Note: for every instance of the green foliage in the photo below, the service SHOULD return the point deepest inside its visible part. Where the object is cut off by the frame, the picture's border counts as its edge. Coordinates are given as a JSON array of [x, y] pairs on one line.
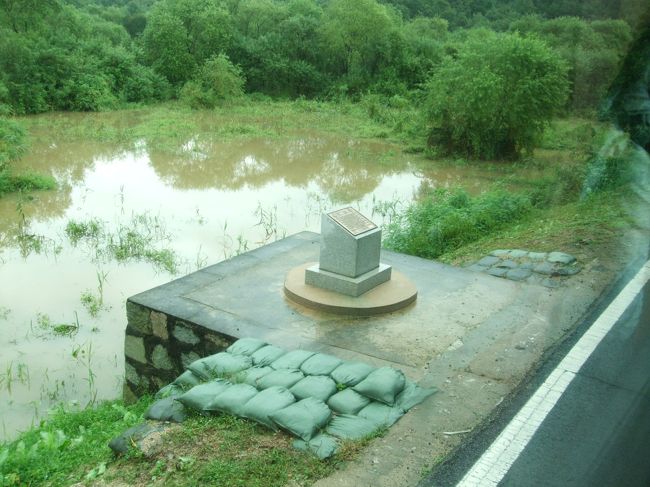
[[592, 50], [218, 80], [139, 239], [360, 40], [12, 142], [59, 450], [495, 96], [10, 183], [182, 35], [446, 220]]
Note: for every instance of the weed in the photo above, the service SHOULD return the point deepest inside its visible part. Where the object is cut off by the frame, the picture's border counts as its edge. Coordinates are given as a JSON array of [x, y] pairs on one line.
[[446, 220], [268, 220], [48, 328], [92, 303], [62, 449], [4, 312], [136, 240]]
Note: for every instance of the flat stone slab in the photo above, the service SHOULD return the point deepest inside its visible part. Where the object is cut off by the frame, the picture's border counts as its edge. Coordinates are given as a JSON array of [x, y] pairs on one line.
[[542, 268]]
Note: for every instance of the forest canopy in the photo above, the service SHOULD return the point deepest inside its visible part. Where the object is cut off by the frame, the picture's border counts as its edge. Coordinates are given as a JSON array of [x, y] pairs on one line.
[[87, 55]]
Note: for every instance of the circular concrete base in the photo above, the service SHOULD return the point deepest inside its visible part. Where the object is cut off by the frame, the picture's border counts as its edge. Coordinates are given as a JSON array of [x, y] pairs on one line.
[[392, 295]]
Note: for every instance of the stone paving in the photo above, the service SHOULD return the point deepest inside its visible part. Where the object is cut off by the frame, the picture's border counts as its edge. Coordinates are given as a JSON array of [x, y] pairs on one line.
[[546, 268]]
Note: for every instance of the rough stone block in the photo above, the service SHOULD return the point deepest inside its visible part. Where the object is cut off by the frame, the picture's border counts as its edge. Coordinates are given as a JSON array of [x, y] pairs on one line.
[[345, 253], [349, 286], [497, 271], [561, 258], [160, 358], [507, 264], [488, 261], [502, 253], [188, 358], [537, 255], [138, 318], [185, 335], [131, 374], [134, 348], [518, 254], [128, 396], [159, 325], [545, 268], [518, 274]]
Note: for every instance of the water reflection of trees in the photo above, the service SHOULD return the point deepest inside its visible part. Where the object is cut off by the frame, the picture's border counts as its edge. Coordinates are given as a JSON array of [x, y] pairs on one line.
[[344, 169]]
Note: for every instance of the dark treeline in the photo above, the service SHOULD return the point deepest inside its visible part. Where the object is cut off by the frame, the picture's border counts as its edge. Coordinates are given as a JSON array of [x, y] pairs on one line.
[[91, 55]]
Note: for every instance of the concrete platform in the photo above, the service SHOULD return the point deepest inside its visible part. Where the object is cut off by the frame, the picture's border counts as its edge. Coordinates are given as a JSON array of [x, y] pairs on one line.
[[244, 297], [472, 335]]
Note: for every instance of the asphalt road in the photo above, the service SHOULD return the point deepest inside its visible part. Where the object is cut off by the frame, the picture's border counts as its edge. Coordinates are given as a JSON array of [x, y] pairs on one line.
[[598, 433]]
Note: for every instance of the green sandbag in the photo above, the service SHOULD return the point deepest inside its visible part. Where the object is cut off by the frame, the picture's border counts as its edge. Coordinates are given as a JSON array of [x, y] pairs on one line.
[[187, 380], [351, 373], [349, 427], [170, 390], [347, 402], [252, 375], [220, 365], [233, 399], [167, 409], [245, 346], [266, 355], [292, 360], [303, 418], [382, 385], [320, 364], [267, 402], [323, 446], [317, 386], [280, 378], [199, 397], [382, 415], [412, 394]]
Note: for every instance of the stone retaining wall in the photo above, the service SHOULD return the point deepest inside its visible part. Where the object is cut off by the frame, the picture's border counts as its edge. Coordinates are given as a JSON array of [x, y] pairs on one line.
[[158, 347]]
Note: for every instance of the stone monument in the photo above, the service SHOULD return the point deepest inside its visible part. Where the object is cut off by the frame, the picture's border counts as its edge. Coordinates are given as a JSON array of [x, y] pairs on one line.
[[349, 254], [349, 277]]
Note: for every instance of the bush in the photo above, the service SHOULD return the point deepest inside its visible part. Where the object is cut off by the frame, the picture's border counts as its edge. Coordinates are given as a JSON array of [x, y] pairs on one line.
[[12, 142], [445, 220], [218, 80], [495, 96]]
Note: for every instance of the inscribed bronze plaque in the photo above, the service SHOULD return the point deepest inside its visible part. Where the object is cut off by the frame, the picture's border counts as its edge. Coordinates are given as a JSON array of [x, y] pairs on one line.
[[353, 221]]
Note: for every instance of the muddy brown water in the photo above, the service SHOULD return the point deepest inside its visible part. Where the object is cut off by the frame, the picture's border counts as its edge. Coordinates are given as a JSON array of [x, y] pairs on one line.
[[212, 199]]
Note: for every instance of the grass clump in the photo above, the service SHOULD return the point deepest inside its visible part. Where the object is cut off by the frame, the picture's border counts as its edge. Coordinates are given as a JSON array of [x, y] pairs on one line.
[[222, 450], [139, 239], [61, 449], [445, 220], [13, 144]]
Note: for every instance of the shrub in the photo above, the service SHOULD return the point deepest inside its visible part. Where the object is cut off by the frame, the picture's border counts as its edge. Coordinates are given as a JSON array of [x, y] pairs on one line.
[[445, 220], [218, 80], [495, 96], [12, 142]]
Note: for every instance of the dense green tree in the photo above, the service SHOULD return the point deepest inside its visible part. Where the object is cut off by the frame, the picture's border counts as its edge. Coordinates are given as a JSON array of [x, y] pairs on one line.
[[217, 81], [182, 34], [593, 51], [360, 40], [493, 99]]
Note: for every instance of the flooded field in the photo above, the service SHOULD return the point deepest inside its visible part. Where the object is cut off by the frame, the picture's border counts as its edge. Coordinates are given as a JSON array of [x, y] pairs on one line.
[[130, 216]]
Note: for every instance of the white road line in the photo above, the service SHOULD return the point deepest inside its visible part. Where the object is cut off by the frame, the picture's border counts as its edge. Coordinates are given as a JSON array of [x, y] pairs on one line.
[[495, 462]]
